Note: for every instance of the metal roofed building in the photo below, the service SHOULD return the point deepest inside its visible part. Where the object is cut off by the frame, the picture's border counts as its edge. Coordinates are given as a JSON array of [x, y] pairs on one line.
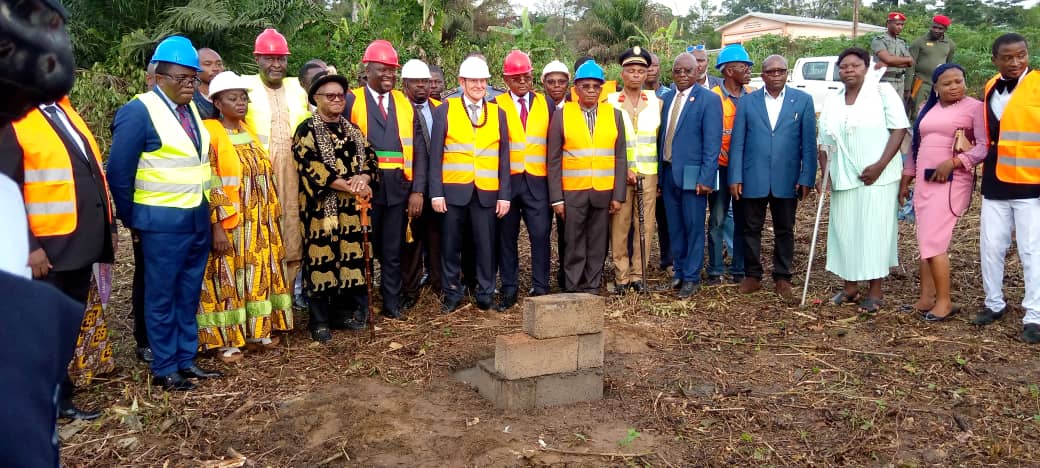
[[756, 24]]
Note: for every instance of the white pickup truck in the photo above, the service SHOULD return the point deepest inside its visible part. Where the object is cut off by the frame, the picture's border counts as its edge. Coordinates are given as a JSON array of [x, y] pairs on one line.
[[817, 76]]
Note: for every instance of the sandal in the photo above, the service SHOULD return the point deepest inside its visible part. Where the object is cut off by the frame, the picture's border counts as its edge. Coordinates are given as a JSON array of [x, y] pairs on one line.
[[264, 344], [871, 306], [929, 317], [230, 355], [843, 298]]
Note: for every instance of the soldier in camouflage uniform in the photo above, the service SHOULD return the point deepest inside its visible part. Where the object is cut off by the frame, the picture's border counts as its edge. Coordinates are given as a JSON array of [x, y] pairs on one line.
[[928, 51], [891, 51]]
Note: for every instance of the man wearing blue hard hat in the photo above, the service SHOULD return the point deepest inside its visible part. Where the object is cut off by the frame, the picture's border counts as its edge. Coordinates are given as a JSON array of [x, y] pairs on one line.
[[160, 176], [587, 159]]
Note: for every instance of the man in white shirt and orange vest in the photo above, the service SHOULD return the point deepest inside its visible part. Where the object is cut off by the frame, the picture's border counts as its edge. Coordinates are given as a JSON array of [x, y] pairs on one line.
[[527, 115], [587, 166], [469, 181]]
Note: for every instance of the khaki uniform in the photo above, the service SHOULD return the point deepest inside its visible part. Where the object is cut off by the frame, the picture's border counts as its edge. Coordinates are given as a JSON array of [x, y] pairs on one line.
[[895, 46], [928, 54]]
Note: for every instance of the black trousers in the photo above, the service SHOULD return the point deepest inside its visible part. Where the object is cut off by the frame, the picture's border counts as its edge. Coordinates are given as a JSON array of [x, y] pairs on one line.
[[389, 223], [587, 233], [537, 216], [412, 259], [337, 307], [430, 230], [471, 225], [76, 285], [662, 233], [751, 217], [137, 296], [561, 247]]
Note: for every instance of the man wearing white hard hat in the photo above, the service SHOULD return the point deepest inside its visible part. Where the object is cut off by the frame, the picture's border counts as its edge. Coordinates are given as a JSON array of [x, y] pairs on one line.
[[469, 180], [555, 79], [490, 93]]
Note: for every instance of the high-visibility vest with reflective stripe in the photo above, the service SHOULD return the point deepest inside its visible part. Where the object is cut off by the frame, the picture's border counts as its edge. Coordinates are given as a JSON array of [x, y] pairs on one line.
[[641, 142], [729, 114], [471, 152], [258, 117], [176, 175], [228, 165], [588, 160], [50, 189], [526, 147], [405, 128], [1018, 149]]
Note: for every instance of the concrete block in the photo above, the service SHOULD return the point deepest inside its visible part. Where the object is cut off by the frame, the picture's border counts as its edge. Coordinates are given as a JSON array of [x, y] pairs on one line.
[[590, 350], [565, 314], [519, 356], [534, 392], [573, 387]]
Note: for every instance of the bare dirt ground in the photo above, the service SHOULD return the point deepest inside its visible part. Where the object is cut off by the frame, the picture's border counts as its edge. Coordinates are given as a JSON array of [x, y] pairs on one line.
[[721, 379]]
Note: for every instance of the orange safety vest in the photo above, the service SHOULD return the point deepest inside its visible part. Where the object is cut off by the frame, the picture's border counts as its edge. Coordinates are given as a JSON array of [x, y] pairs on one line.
[[526, 147], [229, 167], [1018, 147], [405, 120], [49, 189], [729, 114], [588, 159], [471, 152]]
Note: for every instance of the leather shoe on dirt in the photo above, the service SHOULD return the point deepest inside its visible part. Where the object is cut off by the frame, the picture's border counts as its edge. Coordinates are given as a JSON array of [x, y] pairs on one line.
[[506, 302], [173, 383], [688, 289], [987, 316], [70, 411], [145, 355], [321, 335], [449, 305], [196, 372], [750, 285], [1031, 333], [392, 314], [713, 281]]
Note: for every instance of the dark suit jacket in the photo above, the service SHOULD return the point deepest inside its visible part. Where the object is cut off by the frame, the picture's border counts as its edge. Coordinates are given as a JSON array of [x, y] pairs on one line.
[[537, 186], [698, 135], [597, 198], [421, 157], [384, 135], [772, 161], [460, 194], [91, 242]]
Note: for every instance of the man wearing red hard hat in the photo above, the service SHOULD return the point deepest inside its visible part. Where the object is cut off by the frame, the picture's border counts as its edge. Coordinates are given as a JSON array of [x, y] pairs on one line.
[[277, 104], [928, 51], [387, 119]]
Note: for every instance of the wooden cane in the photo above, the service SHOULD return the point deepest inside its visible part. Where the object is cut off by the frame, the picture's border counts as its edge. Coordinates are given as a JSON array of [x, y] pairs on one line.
[[363, 205]]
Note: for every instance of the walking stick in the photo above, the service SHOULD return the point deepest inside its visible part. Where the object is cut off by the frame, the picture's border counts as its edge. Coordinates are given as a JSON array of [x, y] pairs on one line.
[[640, 210], [819, 211], [364, 204]]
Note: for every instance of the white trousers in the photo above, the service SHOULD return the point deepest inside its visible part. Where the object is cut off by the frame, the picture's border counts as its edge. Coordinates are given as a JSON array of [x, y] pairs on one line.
[[999, 219]]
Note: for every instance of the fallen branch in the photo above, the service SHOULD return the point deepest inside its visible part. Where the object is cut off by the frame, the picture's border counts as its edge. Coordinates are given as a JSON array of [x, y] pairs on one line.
[[597, 454], [872, 353]]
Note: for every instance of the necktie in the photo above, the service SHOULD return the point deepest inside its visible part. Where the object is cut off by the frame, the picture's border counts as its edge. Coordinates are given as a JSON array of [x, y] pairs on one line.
[[474, 113], [673, 117], [523, 111], [185, 117], [424, 122], [381, 108], [52, 112], [1005, 85]]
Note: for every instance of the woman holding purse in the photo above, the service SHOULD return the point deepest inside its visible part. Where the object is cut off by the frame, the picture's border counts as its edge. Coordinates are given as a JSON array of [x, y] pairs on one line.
[[949, 140]]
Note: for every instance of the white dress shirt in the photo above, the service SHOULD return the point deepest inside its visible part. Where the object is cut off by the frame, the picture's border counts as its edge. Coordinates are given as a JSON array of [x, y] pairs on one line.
[[14, 233], [386, 98], [680, 100], [64, 121], [773, 106], [999, 101]]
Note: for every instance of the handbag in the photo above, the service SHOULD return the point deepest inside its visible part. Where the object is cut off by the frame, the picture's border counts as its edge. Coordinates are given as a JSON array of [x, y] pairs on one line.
[[963, 141]]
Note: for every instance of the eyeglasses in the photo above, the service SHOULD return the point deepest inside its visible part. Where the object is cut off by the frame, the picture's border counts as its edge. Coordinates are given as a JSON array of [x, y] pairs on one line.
[[183, 80], [682, 71], [775, 72], [589, 86], [557, 82], [519, 78], [332, 96]]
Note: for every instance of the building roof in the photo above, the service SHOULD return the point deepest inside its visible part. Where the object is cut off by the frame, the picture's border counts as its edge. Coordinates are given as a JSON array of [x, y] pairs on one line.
[[803, 20]]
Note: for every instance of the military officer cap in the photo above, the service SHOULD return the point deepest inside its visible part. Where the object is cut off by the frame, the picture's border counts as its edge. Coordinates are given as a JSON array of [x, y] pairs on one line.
[[896, 16], [635, 56]]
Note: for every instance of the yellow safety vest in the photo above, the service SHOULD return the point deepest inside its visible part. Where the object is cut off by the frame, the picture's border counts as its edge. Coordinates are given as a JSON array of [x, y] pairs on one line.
[[389, 160], [176, 175], [642, 141], [258, 117], [526, 147], [49, 188], [588, 160], [1018, 147], [729, 114], [471, 152]]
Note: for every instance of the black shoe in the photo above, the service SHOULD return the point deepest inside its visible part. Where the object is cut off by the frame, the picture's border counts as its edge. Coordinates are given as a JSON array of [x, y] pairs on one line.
[[321, 335], [449, 305], [737, 279], [533, 293], [620, 289], [424, 280], [987, 316], [636, 286], [713, 280], [69, 411], [930, 317], [506, 302], [1031, 333], [196, 372], [145, 355], [407, 302], [392, 314], [173, 383], [484, 303], [688, 289]]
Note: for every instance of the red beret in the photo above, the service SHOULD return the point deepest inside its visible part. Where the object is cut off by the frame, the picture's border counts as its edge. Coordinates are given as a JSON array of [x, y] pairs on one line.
[[896, 16], [942, 20]]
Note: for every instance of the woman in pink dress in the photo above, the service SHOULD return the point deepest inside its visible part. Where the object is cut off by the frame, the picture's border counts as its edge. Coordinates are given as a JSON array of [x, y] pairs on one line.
[[945, 182]]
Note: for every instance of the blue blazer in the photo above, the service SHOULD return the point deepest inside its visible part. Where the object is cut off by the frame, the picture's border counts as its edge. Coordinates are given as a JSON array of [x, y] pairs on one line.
[[772, 161], [698, 137]]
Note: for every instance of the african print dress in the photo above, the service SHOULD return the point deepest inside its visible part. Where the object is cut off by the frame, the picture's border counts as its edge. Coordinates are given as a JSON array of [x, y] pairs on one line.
[[244, 295], [93, 354], [333, 256]]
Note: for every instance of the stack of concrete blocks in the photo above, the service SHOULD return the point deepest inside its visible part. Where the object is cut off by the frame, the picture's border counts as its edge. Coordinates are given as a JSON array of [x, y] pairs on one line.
[[556, 360]]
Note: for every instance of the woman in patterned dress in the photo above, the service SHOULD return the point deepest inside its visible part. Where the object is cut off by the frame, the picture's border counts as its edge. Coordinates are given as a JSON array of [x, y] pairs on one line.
[[244, 295], [336, 167]]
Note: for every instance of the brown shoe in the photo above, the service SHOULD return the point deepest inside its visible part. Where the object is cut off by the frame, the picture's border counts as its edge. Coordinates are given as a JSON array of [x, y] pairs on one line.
[[750, 285], [783, 289]]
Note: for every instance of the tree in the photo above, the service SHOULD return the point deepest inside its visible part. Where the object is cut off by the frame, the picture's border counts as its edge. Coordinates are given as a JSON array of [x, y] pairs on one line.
[[610, 24]]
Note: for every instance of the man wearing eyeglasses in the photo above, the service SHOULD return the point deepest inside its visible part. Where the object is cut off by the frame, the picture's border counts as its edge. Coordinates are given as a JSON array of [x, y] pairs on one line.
[[277, 104], [160, 175], [772, 164]]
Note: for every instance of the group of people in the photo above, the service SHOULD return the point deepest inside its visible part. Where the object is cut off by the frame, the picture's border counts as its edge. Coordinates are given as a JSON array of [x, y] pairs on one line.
[[249, 195]]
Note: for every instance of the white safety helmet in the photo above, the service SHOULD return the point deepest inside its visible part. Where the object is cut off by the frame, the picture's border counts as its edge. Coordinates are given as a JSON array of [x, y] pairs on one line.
[[555, 66], [226, 80], [416, 69], [474, 68]]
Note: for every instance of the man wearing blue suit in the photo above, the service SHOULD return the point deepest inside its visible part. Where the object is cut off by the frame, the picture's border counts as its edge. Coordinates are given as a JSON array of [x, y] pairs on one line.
[[772, 164], [688, 147]]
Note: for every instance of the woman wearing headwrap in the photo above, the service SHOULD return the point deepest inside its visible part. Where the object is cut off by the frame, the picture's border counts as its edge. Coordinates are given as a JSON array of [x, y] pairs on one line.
[[944, 180], [336, 167]]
